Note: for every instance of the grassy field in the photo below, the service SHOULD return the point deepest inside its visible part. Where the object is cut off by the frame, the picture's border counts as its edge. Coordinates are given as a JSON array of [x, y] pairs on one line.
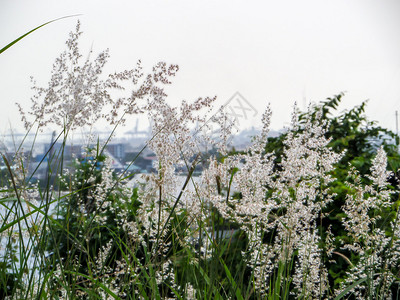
[[259, 224]]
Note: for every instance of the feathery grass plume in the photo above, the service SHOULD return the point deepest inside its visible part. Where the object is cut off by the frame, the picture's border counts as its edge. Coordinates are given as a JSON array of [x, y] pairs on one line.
[[376, 250], [282, 207], [78, 95]]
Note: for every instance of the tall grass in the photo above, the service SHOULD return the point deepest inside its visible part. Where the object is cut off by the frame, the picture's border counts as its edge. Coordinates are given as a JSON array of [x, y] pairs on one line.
[[246, 229]]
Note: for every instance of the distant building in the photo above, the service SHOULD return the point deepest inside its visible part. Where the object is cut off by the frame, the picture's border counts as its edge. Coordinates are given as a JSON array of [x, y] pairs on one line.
[[67, 153], [117, 150]]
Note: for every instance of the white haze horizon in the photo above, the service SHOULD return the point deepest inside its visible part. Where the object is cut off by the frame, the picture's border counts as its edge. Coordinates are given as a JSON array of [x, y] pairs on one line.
[[270, 52]]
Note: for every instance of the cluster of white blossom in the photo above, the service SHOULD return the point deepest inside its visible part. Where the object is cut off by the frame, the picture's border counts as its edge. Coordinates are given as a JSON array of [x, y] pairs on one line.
[[77, 95], [376, 250], [297, 194]]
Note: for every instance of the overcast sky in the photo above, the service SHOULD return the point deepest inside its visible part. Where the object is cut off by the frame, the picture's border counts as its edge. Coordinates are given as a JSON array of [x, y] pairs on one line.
[[269, 51]]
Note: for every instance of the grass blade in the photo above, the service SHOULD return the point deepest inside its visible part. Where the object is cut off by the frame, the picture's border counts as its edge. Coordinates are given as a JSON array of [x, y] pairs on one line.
[[349, 288], [29, 32]]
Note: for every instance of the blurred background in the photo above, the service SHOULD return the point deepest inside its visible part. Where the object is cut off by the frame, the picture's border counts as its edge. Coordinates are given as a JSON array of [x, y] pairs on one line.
[[274, 52]]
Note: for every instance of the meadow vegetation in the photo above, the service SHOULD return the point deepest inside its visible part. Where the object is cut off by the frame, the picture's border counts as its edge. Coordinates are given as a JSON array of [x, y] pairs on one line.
[[311, 214]]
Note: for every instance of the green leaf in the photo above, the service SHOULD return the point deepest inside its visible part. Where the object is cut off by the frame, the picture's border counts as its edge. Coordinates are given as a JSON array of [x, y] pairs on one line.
[[29, 32], [237, 289], [350, 287]]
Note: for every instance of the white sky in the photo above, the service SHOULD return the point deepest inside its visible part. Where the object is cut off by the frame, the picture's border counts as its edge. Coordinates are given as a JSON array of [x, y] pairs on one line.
[[269, 51]]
